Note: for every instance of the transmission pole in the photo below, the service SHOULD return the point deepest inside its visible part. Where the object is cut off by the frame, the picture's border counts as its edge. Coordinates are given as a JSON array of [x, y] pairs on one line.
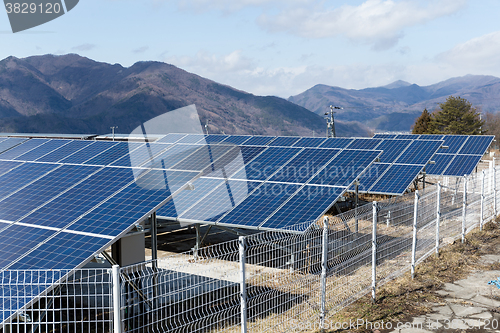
[[330, 121]]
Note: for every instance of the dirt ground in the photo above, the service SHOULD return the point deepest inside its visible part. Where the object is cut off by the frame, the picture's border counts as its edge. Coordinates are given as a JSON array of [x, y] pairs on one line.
[[403, 299]]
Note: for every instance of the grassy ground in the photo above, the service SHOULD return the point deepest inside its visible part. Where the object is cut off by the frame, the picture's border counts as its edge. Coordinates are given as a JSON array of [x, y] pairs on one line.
[[405, 298]]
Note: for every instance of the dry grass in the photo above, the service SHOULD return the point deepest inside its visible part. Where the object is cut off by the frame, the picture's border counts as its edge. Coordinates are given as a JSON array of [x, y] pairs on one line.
[[403, 297]]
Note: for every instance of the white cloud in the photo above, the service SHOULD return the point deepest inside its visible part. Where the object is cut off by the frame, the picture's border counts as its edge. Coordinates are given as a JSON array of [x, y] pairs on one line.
[[228, 6], [377, 22], [84, 47], [478, 54], [204, 63]]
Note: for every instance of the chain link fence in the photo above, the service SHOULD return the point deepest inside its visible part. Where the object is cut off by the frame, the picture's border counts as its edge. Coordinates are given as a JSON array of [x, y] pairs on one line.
[[286, 281]]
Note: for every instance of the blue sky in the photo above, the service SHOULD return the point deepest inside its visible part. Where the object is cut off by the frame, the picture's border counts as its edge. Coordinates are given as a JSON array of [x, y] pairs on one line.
[[279, 47]]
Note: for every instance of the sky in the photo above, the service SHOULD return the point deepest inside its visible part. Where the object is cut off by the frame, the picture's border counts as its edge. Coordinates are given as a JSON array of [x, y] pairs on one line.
[[279, 47]]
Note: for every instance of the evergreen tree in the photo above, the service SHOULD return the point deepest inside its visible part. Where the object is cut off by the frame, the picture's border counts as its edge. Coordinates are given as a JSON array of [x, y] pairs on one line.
[[422, 123], [457, 116]]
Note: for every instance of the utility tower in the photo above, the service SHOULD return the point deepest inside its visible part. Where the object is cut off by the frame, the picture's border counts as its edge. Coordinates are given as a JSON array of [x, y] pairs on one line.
[[330, 121]]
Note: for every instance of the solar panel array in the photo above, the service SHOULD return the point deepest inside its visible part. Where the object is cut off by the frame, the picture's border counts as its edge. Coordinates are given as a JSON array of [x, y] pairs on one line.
[[462, 156]]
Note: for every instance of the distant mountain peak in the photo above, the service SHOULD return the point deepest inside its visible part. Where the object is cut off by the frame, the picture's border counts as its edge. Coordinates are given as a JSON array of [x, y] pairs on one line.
[[397, 84]]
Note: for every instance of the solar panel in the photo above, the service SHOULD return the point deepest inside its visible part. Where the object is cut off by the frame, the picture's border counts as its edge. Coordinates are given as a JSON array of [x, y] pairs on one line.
[[309, 142], [419, 152], [462, 165], [284, 141], [431, 137], [236, 139], [371, 175], [392, 149], [88, 152], [408, 136], [114, 153], [364, 144], [9, 143], [384, 136], [22, 148], [42, 150], [215, 138], [396, 179], [171, 138], [190, 138], [308, 201], [259, 140], [454, 143], [441, 163], [476, 145], [61, 153], [336, 143]]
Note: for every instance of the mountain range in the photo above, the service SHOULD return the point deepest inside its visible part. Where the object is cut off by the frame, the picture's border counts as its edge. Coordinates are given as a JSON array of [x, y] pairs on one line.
[[74, 94], [395, 107]]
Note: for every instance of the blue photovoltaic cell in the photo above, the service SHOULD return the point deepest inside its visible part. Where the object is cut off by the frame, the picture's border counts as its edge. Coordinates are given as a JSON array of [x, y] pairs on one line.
[[234, 160], [419, 152], [42, 150], [42, 190], [431, 137], [10, 142], [114, 153], [197, 161], [259, 140], [221, 200], [133, 203], [476, 145], [284, 141], [345, 168], [392, 149], [236, 139], [408, 136], [441, 163], [185, 199], [62, 251], [267, 163], [364, 144], [75, 202], [215, 138], [171, 138], [309, 142], [17, 240], [176, 154], [462, 165], [396, 179], [72, 147], [192, 138], [305, 165], [259, 204], [22, 148], [88, 152], [141, 155], [370, 176], [454, 143], [306, 205], [336, 143], [8, 165], [21, 176], [384, 136]]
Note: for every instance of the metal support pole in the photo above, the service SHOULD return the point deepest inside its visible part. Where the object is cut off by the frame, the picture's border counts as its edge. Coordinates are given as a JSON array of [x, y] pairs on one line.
[[154, 239], [438, 216], [414, 242], [197, 246], [481, 217], [356, 191], [243, 286], [374, 252], [324, 262], [117, 322], [464, 209], [494, 188]]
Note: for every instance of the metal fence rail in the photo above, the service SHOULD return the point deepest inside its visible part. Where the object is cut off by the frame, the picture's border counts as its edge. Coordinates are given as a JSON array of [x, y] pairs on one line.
[[265, 282]]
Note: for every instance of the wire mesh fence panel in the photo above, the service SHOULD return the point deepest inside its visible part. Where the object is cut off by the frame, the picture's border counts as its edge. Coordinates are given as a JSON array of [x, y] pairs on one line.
[[195, 291], [282, 282], [56, 301]]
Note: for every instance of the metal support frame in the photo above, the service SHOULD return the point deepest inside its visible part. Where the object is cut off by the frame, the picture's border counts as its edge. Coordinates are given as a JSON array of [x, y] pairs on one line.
[[495, 187], [154, 239], [324, 263], [197, 246], [414, 240], [356, 202], [243, 286], [438, 216], [374, 251], [117, 327], [464, 209], [481, 216]]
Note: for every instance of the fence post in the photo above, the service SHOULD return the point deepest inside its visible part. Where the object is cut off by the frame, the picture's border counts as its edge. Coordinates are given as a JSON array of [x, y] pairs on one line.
[[481, 217], [243, 286], [438, 216], [464, 209], [324, 262], [115, 278], [414, 242], [494, 188], [374, 251]]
